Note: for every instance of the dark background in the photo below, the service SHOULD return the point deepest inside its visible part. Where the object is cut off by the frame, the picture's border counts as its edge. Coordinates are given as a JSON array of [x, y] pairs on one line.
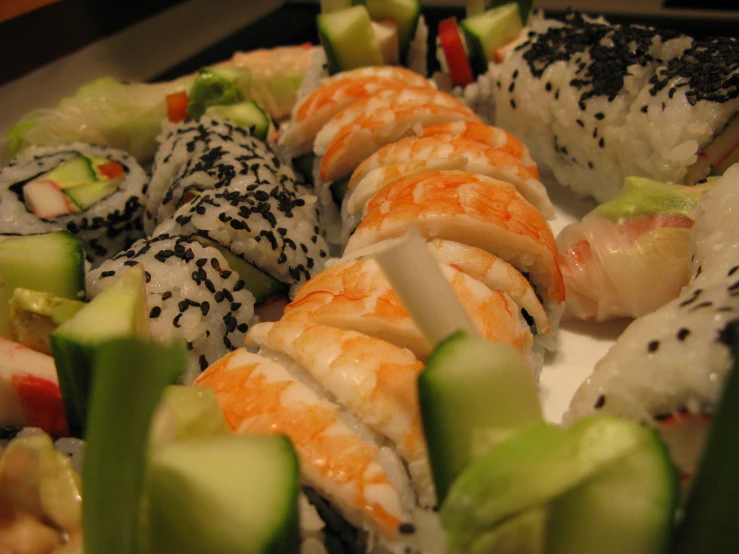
[[51, 32]]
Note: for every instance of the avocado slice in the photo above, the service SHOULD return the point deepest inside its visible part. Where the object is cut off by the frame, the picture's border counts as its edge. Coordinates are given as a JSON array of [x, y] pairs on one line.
[[35, 315], [119, 311]]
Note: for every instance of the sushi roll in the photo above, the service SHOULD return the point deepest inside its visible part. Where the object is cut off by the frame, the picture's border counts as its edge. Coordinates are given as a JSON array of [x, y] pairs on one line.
[[597, 103], [668, 367], [96, 193], [192, 294], [209, 154], [273, 232]]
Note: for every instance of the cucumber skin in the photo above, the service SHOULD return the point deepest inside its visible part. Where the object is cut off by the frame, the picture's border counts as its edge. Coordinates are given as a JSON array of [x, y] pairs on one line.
[[121, 407], [378, 10], [435, 403], [74, 372], [710, 521], [285, 539]]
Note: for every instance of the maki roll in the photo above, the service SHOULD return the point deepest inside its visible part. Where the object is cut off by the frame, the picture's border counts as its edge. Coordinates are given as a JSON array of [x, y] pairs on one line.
[[209, 154], [597, 103], [94, 192], [668, 368], [192, 294]]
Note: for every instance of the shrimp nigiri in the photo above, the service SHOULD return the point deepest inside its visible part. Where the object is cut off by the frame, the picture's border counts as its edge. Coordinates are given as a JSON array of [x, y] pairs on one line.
[[312, 112], [443, 152], [258, 395], [476, 210], [356, 295]]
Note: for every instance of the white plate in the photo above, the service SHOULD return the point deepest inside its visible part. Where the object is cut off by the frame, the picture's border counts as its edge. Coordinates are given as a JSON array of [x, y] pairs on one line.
[[580, 343]]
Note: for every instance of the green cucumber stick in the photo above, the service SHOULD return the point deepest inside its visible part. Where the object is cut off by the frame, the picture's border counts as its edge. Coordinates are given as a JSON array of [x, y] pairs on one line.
[[130, 376], [710, 522]]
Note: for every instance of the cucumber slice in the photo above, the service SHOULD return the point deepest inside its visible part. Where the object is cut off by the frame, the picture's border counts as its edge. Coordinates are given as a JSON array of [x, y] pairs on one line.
[[85, 196], [244, 114], [524, 7], [74, 172], [491, 30], [231, 495], [524, 533], [542, 463], [118, 311], [35, 315], [129, 378], [348, 39], [53, 262], [472, 391], [709, 524], [338, 190], [405, 13], [187, 413], [261, 285]]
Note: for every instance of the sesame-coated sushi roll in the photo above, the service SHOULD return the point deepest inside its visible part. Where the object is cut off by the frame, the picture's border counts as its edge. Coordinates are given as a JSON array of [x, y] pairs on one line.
[[597, 103], [273, 232], [209, 154], [192, 294], [94, 192]]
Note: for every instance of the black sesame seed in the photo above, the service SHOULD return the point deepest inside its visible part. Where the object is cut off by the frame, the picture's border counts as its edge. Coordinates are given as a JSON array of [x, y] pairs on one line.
[[653, 346], [107, 273], [407, 528], [176, 321], [513, 103], [682, 334], [600, 402], [240, 284], [210, 286], [219, 296], [201, 262], [205, 307], [203, 363], [183, 305], [155, 312], [242, 327], [599, 116], [167, 295]]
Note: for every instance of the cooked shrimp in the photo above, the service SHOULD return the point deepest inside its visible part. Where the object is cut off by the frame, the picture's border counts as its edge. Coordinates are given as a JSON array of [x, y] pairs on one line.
[[476, 210], [369, 106], [371, 378], [258, 395], [494, 137], [443, 152], [478, 264], [356, 295], [312, 113], [411, 78]]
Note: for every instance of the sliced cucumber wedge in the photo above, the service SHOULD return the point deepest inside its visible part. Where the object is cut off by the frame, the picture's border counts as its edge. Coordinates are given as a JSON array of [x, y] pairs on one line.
[[231, 495], [472, 391], [53, 262], [524, 7], [709, 524], [248, 115], [348, 39], [489, 31], [35, 315], [405, 13], [129, 378], [119, 311], [544, 464]]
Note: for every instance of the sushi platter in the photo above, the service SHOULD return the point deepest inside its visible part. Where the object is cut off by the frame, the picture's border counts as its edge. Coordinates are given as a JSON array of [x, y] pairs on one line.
[[445, 279]]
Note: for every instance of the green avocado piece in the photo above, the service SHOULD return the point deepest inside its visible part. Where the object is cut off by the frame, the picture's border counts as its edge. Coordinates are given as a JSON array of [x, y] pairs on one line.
[[643, 197], [572, 470], [187, 413], [52, 262], [213, 88], [35, 315]]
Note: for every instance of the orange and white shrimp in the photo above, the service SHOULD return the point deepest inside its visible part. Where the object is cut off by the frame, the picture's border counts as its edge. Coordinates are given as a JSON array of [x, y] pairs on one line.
[[382, 72], [473, 209], [443, 152], [372, 379], [317, 108], [356, 295], [258, 395], [483, 266], [494, 137], [360, 129]]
